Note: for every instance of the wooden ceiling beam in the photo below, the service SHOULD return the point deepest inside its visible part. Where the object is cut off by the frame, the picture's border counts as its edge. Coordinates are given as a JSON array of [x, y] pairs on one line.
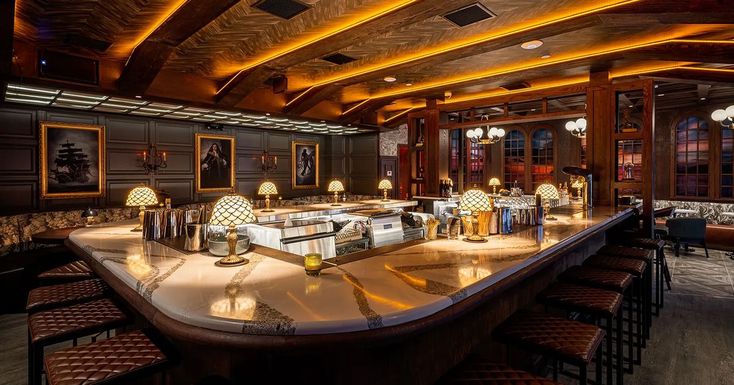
[[700, 52], [308, 99], [244, 83], [353, 114], [149, 57], [692, 75]]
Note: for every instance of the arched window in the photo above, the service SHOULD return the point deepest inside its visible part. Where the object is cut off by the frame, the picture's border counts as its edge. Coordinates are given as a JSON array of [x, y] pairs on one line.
[[727, 163], [692, 157], [515, 159], [541, 170]]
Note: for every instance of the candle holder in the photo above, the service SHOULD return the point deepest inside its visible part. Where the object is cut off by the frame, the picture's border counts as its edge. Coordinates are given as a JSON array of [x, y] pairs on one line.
[[151, 160], [268, 162], [312, 264]]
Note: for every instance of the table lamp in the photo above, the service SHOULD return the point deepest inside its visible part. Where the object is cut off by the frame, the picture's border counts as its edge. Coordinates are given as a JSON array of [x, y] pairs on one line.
[[475, 200], [578, 184], [494, 182], [231, 211], [385, 185], [547, 192], [141, 196], [336, 187], [89, 214], [267, 188]]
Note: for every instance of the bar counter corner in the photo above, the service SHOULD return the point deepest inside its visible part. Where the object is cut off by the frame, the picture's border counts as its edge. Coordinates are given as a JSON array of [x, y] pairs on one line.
[[395, 315]]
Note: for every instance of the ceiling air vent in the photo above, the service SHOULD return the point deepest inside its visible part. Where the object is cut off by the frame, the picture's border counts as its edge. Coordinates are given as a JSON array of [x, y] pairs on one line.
[[287, 9], [515, 86], [469, 15], [338, 58]]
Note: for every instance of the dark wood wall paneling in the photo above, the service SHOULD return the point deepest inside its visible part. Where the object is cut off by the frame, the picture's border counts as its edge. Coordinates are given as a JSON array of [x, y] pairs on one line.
[[353, 159]]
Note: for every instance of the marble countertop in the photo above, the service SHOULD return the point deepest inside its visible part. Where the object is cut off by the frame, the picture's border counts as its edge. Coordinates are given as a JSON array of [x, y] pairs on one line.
[[273, 295], [317, 209]]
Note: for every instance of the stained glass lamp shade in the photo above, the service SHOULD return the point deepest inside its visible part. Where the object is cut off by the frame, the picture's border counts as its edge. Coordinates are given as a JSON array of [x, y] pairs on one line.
[[547, 192], [475, 200], [232, 210], [267, 189], [385, 185], [494, 182], [141, 196], [336, 187]]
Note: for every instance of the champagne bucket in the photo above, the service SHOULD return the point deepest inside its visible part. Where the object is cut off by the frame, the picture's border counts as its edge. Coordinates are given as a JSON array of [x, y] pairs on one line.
[[152, 225], [504, 220], [172, 220], [191, 216], [195, 237]]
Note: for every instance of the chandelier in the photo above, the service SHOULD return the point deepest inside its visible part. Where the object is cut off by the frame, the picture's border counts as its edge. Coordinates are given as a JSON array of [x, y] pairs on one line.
[[724, 117], [494, 134], [577, 127]]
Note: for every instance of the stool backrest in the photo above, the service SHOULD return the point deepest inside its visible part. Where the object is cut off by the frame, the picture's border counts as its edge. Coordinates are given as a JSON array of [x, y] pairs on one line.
[[691, 229]]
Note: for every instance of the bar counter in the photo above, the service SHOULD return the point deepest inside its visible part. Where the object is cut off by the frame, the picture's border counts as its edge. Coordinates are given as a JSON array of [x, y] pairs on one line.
[[273, 296]]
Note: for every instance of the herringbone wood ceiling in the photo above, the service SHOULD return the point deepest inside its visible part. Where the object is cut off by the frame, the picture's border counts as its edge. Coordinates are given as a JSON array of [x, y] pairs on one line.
[[243, 34]]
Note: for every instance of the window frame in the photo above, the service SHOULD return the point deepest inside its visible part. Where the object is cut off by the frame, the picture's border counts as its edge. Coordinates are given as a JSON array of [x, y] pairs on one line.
[[528, 131]]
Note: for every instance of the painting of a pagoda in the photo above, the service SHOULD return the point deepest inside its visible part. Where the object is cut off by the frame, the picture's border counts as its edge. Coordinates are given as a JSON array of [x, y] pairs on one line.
[[72, 160]]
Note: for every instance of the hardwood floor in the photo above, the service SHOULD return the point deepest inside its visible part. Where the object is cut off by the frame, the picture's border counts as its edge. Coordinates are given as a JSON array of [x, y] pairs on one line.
[[692, 342]]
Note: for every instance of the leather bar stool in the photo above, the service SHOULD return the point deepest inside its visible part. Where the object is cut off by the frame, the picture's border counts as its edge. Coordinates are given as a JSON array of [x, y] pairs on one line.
[[124, 357], [636, 268], [644, 255], [600, 304], [47, 297], [617, 281], [558, 338], [661, 267], [480, 371], [68, 323], [72, 271]]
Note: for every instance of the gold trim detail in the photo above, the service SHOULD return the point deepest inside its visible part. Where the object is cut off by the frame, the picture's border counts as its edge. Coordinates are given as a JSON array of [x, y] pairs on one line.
[[197, 162], [294, 162]]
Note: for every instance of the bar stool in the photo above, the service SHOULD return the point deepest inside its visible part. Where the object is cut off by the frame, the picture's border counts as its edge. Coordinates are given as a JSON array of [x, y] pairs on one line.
[[123, 357], [643, 255], [477, 370], [72, 271], [661, 267], [68, 323], [617, 281], [558, 338], [636, 268], [601, 305], [46, 297]]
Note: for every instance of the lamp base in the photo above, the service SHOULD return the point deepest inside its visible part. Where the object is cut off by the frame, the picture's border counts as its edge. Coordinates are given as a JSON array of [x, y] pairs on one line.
[[336, 204], [267, 211], [476, 239], [551, 218], [137, 229], [230, 261], [384, 200]]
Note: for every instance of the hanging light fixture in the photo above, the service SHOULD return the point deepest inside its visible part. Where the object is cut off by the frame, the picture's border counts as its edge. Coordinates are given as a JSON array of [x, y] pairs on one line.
[[724, 117], [577, 127], [494, 134]]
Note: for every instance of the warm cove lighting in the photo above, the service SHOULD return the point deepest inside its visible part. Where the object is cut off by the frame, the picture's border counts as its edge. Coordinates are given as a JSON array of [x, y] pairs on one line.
[[352, 23], [477, 39], [170, 11]]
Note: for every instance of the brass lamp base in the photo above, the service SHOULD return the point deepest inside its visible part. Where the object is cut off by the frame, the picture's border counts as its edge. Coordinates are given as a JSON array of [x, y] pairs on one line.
[[139, 227], [384, 196], [336, 199], [267, 208], [475, 239], [232, 259]]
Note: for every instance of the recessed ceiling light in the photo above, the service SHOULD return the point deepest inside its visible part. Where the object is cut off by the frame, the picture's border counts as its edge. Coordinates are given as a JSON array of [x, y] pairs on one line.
[[267, 113], [532, 44], [546, 56], [661, 94], [390, 79], [138, 97], [703, 98], [657, 85], [408, 84]]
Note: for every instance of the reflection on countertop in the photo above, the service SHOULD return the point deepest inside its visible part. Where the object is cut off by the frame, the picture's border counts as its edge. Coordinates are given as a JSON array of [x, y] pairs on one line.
[[274, 295]]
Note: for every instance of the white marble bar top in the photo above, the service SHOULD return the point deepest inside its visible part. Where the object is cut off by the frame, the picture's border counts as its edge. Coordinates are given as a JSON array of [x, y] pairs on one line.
[[318, 209], [272, 296]]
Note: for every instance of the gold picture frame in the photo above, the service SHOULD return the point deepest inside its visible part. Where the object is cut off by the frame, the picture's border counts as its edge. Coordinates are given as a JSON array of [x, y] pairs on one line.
[[302, 181], [210, 181], [74, 166]]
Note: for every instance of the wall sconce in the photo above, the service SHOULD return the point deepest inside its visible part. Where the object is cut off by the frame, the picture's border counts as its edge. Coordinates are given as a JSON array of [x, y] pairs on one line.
[[151, 160], [577, 128], [724, 117], [268, 162]]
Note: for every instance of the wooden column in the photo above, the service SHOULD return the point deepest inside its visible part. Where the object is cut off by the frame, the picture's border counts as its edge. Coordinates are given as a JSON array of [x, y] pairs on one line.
[[432, 139], [599, 151]]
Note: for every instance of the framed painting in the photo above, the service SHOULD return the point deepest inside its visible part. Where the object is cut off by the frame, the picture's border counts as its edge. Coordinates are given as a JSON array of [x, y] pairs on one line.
[[215, 163], [72, 160], [304, 165]]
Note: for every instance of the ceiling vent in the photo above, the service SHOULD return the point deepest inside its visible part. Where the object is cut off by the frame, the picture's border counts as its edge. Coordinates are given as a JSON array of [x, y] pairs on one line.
[[469, 15], [286, 9], [516, 86], [338, 58], [87, 42]]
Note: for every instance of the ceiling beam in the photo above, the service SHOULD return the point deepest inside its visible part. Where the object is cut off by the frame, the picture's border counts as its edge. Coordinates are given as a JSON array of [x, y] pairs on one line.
[[308, 99], [245, 82], [357, 111], [695, 75], [149, 57], [697, 51]]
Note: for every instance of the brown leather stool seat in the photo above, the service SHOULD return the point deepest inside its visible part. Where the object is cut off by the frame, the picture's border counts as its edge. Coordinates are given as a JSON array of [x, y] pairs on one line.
[[477, 371], [121, 357], [662, 272], [73, 271], [68, 323], [561, 339], [645, 243], [46, 297], [614, 280], [601, 304], [627, 252], [636, 267]]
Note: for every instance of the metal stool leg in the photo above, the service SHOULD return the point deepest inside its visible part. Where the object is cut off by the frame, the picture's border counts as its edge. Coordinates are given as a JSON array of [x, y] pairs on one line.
[[620, 358]]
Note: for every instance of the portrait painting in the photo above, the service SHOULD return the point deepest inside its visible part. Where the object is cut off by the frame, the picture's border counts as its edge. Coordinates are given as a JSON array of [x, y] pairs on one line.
[[72, 160], [215, 155], [305, 165]]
